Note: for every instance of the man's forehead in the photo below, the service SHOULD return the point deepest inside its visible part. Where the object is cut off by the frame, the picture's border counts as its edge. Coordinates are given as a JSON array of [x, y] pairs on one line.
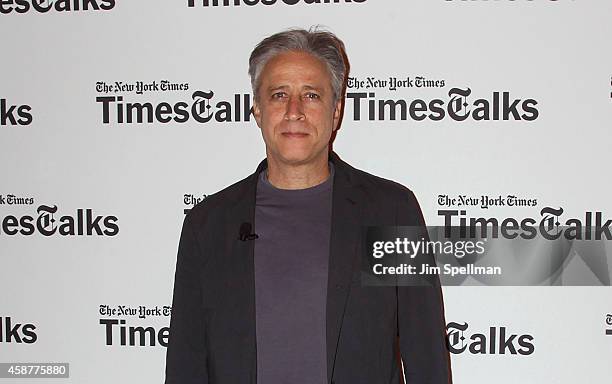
[[285, 61], [286, 68]]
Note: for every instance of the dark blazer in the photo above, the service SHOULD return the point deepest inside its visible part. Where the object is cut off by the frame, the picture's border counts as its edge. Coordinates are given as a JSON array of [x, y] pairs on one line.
[[212, 329]]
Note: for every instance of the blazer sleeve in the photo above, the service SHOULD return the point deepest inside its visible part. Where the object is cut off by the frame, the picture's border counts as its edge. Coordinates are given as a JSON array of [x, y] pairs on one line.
[[186, 353], [421, 323]]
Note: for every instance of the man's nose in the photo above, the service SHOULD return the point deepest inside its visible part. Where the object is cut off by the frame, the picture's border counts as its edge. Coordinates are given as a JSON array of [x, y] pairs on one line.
[[295, 109]]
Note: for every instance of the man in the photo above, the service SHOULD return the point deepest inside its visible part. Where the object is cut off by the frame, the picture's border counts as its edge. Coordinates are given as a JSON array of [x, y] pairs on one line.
[[267, 286]]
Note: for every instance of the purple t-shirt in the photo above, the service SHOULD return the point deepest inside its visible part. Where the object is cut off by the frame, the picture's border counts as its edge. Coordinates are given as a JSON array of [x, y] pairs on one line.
[[291, 262]]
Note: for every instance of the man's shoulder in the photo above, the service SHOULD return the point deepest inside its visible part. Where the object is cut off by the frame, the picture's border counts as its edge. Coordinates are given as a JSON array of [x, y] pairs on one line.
[[374, 184], [388, 196]]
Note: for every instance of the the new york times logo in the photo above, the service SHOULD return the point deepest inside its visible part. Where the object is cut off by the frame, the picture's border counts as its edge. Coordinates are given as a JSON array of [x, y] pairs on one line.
[[235, 3], [458, 106], [141, 311], [550, 226], [140, 87], [486, 201], [118, 332], [497, 341], [48, 222], [199, 106], [11, 114], [11, 199], [393, 83], [16, 332], [44, 6]]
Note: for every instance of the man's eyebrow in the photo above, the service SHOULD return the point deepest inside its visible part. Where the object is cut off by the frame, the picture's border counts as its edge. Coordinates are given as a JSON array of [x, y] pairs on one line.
[[275, 87], [312, 88], [283, 87]]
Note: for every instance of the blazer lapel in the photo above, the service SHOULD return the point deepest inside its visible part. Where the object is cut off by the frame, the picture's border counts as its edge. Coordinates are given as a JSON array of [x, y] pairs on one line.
[[242, 254], [343, 255]]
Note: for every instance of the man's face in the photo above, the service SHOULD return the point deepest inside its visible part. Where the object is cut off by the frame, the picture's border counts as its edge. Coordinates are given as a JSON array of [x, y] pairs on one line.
[[295, 109]]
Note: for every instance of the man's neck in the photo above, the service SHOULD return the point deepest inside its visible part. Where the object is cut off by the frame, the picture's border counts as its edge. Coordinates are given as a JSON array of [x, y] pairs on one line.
[[284, 176]]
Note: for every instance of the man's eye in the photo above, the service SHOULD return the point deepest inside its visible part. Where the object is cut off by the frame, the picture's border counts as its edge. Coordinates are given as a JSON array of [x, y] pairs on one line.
[[312, 95], [278, 95]]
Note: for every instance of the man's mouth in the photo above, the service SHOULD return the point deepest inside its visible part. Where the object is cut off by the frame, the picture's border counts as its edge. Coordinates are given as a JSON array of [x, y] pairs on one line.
[[294, 134]]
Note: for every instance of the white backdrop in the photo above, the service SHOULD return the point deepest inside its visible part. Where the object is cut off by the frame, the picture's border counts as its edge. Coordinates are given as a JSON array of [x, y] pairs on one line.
[[57, 153]]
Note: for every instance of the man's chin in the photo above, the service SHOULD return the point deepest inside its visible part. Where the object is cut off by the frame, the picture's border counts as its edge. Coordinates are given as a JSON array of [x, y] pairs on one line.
[[298, 157], [296, 160]]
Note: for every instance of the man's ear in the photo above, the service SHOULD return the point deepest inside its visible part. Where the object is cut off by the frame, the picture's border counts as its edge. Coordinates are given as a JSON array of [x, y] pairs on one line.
[[256, 113], [337, 114]]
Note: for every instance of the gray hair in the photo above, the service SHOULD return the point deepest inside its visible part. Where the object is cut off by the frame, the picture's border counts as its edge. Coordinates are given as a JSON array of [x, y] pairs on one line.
[[323, 45]]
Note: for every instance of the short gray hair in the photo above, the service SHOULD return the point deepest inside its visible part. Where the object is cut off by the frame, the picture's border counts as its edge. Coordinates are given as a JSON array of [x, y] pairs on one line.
[[322, 44]]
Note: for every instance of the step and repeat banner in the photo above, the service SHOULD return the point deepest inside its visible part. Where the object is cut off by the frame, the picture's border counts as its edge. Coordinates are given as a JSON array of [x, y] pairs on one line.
[[118, 116]]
